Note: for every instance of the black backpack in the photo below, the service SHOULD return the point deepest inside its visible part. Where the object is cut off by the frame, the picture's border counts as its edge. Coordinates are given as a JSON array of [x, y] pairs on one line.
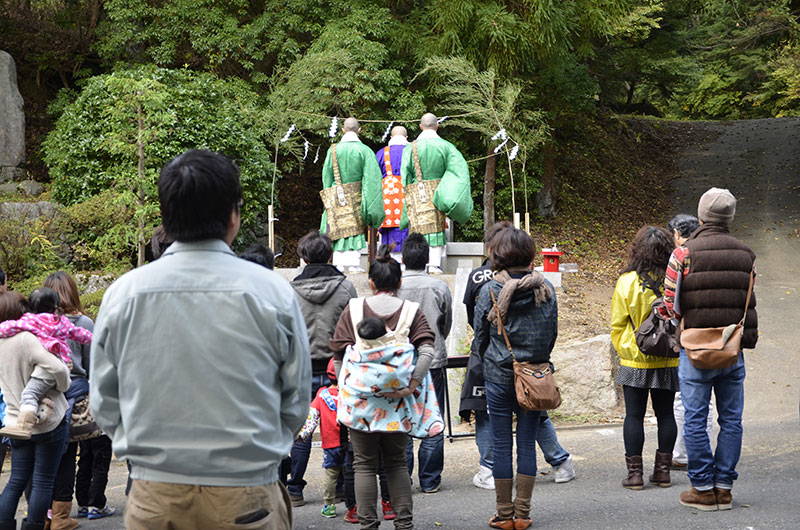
[[657, 335]]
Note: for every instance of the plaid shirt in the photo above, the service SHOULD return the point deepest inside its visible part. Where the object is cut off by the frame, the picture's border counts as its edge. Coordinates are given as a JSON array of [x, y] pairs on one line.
[[678, 266]]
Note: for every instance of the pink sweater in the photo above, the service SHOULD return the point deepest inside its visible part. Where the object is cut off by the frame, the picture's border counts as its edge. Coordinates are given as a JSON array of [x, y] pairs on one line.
[[52, 330]]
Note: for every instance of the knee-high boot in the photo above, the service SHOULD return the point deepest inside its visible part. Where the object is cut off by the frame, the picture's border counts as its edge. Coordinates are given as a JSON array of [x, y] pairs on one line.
[[522, 502], [504, 518]]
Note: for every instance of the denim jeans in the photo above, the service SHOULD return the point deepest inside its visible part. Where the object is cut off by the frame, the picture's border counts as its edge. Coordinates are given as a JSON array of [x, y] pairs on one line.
[[302, 450], [34, 460], [431, 450], [483, 438], [554, 454], [501, 401], [704, 468]]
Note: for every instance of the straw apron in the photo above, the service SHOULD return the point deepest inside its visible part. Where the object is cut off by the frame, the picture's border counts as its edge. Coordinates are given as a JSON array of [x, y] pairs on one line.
[[343, 204], [423, 216]]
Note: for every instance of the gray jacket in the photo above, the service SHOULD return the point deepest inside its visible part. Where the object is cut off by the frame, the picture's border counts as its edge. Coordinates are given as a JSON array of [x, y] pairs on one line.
[[200, 368], [322, 299], [436, 303]]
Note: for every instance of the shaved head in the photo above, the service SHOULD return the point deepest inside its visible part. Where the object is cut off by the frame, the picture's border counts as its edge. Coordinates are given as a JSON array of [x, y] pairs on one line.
[[399, 130], [351, 125], [428, 121]]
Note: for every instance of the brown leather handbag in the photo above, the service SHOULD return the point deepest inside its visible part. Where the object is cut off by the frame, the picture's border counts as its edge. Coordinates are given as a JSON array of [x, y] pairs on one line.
[[712, 348], [535, 384]]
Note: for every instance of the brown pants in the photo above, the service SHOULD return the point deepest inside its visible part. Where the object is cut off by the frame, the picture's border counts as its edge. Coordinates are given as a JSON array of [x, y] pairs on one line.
[[367, 448], [163, 506]]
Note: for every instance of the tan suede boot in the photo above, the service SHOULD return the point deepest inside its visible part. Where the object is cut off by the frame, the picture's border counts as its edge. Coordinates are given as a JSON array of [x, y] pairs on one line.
[[23, 428], [61, 519], [522, 503], [504, 518], [660, 476]]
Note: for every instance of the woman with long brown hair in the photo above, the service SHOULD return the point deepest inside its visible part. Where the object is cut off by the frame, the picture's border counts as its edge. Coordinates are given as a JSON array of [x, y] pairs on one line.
[[641, 282]]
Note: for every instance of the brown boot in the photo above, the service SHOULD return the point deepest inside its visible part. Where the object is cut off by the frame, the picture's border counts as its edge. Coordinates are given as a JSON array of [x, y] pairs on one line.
[[23, 428], [61, 519], [522, 503], [724, 499], [660, 476], [504, 518], [701, 500], [635, 480]]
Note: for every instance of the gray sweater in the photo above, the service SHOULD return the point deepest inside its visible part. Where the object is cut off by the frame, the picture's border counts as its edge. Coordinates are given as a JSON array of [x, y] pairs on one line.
[[436, 303]]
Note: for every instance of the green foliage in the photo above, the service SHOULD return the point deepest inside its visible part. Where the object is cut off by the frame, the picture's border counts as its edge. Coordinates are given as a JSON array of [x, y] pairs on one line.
[[93, 147], [27, 247]]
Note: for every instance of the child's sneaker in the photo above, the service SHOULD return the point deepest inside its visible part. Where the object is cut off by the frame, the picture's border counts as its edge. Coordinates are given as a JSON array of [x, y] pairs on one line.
[[388, 510], [99, 513], [352, 515], [83, 511], [329, 510]]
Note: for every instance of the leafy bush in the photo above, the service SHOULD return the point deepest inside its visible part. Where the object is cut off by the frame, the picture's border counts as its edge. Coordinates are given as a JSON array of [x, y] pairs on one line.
[[27, 248]]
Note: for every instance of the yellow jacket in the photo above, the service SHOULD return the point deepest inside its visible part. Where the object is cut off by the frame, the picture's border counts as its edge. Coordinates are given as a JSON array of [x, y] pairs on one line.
[[632, 302]]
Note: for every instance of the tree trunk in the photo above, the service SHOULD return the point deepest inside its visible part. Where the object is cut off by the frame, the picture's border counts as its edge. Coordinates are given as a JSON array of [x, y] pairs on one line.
[[631, 90], [546, 198], [140, 191], [489, 179]]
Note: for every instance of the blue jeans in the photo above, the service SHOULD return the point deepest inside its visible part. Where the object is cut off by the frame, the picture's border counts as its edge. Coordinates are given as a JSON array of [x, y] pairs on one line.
[[704, 468], [302, 450], [431, 450], [501, 401], [554, 454], [35, 460], [483, 438]]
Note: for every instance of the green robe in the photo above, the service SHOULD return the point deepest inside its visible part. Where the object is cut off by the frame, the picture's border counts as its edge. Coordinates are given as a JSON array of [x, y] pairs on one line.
[[440, 159], [356, 163]]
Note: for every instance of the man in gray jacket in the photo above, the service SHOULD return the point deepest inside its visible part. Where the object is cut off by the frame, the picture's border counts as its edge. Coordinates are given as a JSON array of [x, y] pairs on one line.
[[323, 292], [200, 366], [436, 303]]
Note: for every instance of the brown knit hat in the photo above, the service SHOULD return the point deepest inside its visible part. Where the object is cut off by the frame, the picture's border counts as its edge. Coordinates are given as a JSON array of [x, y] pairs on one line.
[[716, 206]]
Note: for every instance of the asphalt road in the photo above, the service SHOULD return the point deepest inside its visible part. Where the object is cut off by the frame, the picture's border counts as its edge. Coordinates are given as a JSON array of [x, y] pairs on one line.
[[759, 161]]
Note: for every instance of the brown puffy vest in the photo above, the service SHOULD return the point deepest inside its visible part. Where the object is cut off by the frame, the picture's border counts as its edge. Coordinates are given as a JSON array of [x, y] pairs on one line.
[[714, 292]]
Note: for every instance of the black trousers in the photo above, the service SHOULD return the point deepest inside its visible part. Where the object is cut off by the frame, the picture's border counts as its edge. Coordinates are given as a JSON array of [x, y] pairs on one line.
[[92, 477], [65, 476]]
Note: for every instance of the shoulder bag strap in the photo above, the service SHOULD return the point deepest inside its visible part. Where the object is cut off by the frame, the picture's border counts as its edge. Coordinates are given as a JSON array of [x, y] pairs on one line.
[[502, 326], [749, 294], [417, 167], [356, 313], [336, 175]]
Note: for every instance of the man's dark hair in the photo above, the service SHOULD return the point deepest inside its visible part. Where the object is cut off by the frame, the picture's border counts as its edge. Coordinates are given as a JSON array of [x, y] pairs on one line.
[[315, 247], [260, 254], [649, 255], [198, 191], [684, 223], [371, 328], [415, 252], [45, 300], [384, 271], [510, 248]]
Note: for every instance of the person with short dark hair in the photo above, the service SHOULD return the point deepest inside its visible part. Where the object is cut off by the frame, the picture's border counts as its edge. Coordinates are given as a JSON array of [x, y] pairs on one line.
[[371, 328], [682, 226], [322, 292], [436, 302], [644, 376], [234, 387], [385, 279], [524, 303], [389, 160], [715, 271], [260, 254]]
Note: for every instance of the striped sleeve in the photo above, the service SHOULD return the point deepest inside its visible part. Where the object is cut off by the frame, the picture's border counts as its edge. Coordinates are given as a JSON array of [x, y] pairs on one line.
[[678, 265]]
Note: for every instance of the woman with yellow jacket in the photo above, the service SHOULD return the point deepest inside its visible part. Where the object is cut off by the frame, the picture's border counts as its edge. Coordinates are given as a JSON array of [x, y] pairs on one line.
[[640, 375]]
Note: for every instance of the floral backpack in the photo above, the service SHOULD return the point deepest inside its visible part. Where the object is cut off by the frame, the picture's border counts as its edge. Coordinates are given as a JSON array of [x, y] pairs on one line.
[[386, 365]]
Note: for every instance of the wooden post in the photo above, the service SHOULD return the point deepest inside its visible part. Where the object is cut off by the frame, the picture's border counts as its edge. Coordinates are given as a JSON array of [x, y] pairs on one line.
[[372, 244], [516, 220], [271, 215], [527, 222]]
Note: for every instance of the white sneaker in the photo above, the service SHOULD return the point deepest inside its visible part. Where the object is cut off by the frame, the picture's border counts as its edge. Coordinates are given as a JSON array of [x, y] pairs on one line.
[[565, 472], [484, 479]]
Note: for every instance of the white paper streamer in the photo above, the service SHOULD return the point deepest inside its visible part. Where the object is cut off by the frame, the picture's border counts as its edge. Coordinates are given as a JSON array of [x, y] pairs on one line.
[[514, 150], [500, 134], [288, 133], [388, 130], [305, 149], [316, 157], [499, 147], [334, 127], [440, 120]]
